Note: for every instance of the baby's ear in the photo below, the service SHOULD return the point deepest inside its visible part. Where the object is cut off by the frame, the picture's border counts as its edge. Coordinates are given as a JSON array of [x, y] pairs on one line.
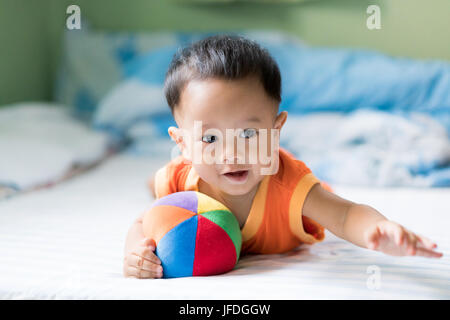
[[280, 120], [173, 133], [177, 135]]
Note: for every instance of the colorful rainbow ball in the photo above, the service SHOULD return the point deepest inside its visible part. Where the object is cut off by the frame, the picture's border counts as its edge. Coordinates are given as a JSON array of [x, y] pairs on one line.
[[195, 234]]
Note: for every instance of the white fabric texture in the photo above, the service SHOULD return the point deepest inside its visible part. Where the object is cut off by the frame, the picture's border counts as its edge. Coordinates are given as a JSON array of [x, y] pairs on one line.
[[66, 242], [41, 142], [371, 148]]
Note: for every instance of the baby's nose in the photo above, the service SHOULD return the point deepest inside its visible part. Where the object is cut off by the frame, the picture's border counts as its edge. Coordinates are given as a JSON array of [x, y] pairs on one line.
[[232, 153]]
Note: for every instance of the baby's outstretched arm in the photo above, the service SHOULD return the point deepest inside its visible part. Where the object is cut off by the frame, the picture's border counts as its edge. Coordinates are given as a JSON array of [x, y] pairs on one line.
[[364, 226]]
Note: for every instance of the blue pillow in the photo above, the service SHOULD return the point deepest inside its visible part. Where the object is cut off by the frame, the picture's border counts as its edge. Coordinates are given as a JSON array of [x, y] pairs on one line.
[[93, 62]]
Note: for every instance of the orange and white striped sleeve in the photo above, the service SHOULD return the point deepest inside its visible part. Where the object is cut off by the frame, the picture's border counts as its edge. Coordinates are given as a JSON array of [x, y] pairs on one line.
[[177, 175], [304, 228]]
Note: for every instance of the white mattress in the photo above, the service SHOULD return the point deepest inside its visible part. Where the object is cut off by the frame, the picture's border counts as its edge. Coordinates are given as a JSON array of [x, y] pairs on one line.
[[67, 243]]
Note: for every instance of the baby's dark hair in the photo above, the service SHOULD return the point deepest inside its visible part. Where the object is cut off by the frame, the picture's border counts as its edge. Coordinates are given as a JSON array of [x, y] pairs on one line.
[[229, 57]]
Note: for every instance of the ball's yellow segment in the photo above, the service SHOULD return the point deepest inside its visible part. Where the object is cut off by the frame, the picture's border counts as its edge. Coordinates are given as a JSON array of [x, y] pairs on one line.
[[206, 203]]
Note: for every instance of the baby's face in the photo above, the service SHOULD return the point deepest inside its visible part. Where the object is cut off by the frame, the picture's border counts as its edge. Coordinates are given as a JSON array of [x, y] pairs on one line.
[[229, 130]]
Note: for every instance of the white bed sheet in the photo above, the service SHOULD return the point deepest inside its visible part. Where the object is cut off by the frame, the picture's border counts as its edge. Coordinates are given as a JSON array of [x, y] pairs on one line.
[[67, 242]]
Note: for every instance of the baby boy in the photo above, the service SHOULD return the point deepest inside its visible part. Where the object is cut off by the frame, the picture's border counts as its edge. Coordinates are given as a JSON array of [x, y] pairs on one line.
[[224, 93]]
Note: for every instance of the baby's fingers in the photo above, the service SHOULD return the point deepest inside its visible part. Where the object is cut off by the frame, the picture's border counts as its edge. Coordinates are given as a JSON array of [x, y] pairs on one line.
[[372, 238], [134, 272], [147, 252], [146, 242], [140, 262], [144, 265], [412, 244], [427, 243], [428, 253]]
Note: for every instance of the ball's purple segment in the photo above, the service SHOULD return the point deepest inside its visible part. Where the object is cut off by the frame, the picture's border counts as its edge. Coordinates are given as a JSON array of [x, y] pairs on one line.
[[186, 199]]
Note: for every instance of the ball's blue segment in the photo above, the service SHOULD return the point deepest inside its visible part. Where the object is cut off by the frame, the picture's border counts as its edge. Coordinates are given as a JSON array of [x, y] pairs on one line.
[[176, 249]]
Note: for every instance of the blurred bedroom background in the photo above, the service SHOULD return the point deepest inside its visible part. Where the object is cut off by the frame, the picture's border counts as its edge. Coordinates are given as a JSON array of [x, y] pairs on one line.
[[367, 107], [83, 126]]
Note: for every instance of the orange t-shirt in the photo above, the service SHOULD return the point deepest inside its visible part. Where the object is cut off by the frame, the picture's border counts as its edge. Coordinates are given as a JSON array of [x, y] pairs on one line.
[[275, 223]]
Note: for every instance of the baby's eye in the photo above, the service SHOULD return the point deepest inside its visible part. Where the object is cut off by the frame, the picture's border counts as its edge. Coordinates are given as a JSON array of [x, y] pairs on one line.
[[248, 133], [209, 138]]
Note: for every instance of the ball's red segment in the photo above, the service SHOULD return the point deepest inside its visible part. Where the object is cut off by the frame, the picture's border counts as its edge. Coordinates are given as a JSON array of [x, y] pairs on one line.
[[214, 251]]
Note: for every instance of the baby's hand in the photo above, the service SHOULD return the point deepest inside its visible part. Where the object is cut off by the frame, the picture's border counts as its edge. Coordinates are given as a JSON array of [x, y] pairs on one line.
[[142, 263], [393, 239]]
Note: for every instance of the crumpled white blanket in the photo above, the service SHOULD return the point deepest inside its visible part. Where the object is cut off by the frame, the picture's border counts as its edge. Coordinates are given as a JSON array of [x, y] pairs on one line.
[[371, 148], [42, 142]]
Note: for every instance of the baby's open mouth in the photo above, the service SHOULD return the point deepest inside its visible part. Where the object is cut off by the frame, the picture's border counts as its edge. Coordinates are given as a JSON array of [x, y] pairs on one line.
[[237, 176]]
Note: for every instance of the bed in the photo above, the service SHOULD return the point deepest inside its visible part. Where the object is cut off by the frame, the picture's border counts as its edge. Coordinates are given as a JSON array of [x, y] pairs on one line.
[[62, 230], [66, 242]]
